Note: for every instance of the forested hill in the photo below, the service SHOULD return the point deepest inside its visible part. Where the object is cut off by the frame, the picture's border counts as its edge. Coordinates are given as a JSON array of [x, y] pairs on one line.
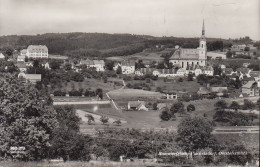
[[78, 45]]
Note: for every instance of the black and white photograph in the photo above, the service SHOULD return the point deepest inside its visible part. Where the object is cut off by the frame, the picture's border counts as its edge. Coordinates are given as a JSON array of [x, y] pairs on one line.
[[129, 83]]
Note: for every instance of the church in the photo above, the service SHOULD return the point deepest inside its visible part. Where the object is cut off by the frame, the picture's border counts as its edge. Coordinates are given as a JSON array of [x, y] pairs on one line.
[[191, 57]]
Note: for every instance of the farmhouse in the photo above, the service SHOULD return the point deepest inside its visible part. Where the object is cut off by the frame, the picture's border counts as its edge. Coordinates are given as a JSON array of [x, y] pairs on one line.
[[191, 57], [250, 88], [137, 105], [216, 55], [87, 62], [35, 51], [32, 78]]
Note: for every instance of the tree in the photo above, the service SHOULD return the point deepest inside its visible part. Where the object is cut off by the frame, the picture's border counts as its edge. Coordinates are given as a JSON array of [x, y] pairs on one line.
[[165, 115], [190, 77], [67, 67], [190, 108], [90, 118], [221, 104], [109, 65], [194, 134], [119, 70], [118, 122], [158, 89], [248, 104], [234, 105], [155, 106], [27, 119], [99, 93], [104, 119], [177, 107]]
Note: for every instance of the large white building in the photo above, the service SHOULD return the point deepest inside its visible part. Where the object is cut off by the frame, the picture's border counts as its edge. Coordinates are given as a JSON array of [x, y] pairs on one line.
[[35, 51], [191, 57]]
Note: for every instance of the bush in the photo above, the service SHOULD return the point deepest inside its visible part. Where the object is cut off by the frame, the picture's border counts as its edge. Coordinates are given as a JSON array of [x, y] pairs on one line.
[[190, 108], [180, 79], [248, 105], [177, 107], [75, 93], [165, 115], [59, 93]]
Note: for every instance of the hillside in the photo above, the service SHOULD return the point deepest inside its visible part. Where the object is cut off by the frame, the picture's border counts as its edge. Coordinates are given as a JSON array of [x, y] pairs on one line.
[[82, 45]]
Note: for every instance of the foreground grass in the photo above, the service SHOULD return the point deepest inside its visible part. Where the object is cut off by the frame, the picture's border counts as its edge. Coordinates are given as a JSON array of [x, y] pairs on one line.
[[74, 164]]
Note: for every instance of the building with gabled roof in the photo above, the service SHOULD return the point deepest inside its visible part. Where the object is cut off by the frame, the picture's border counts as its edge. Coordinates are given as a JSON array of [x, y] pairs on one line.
[[128, 67], [32, 78], [2, 56], [250, 88], [137, 105], [35, 51], [21, 66]]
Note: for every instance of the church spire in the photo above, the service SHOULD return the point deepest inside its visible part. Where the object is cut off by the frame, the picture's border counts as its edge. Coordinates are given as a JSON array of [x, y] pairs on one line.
[[203, 28]]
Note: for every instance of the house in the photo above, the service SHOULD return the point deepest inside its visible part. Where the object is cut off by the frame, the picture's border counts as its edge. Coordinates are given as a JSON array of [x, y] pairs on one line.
[[99, 65], [157, 72], [128, 67], [116, 66], [137, 105], [208, 70], [197, 71], [250, 88], [181, 72], [218, 89], [171, 95], [216, 55], [21, 67], [29, 64], [32, 78], [21, 58], [138, 72], [2, 56], [228, 71], [46, 65], [35, 51], [87, 62], [244, 71], [147, 70], [255, 75], [204, 91]]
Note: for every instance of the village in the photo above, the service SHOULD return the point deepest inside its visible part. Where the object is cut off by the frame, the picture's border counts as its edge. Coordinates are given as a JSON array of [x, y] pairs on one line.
[[152, 91]]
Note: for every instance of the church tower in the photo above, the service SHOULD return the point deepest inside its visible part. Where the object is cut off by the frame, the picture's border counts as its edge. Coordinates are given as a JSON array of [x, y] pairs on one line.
[[203, 47]]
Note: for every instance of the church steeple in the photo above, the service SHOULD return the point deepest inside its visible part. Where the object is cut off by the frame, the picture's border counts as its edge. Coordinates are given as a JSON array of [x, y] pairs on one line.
[[203, 28]]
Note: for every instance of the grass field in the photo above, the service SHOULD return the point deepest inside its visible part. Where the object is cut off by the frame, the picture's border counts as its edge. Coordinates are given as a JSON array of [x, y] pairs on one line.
[[133, 94], [86, 84]]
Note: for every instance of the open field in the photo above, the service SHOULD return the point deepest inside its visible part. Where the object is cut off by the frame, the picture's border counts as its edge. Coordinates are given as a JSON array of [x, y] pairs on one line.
[[133, 94], [86, 84]]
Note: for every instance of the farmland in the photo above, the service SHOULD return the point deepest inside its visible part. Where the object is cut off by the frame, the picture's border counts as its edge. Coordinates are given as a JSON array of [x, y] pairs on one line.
[[133, 94]]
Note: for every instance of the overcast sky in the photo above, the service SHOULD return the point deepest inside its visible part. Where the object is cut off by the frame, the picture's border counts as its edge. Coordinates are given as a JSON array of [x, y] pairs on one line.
[[180, 18]]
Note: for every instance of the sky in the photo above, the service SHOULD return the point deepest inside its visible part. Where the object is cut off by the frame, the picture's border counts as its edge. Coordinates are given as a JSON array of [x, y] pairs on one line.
[[179, 18]]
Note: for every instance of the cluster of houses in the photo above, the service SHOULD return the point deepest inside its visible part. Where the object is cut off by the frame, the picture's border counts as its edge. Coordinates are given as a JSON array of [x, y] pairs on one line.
[[250, 79]]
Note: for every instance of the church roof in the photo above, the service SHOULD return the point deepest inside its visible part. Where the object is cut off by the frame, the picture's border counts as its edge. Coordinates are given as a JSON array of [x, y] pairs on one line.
[[185, 54]]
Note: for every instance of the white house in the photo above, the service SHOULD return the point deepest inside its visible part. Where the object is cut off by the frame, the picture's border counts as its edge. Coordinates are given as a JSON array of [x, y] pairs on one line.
[[35, 51], [208, 70], [128, 67], [198, 71], [21, 58], [181, 72], [2, 56], [99, 65]]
